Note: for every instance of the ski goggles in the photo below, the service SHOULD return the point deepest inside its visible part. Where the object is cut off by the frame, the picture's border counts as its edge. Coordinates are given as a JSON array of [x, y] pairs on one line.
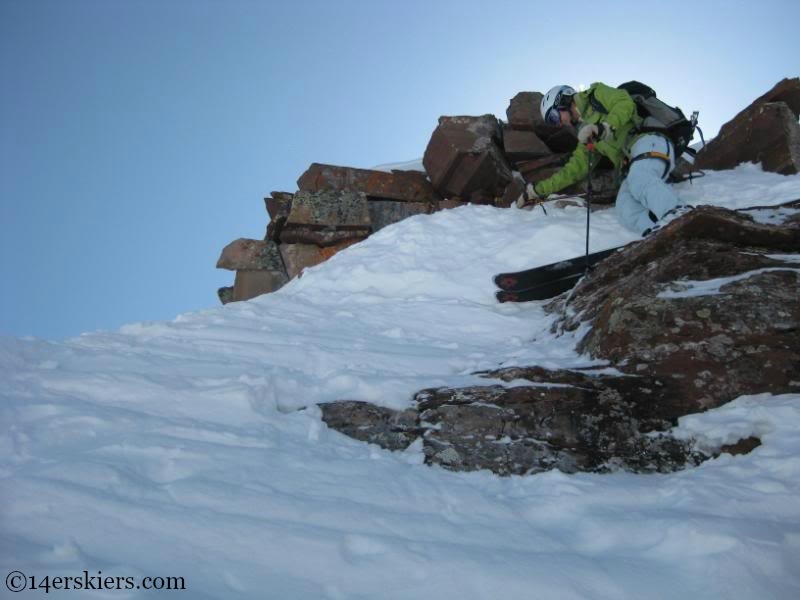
[[553, 115]]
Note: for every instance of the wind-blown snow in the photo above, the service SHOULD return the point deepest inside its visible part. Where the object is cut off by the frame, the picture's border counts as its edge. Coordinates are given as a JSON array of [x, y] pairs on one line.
[[175, 449]]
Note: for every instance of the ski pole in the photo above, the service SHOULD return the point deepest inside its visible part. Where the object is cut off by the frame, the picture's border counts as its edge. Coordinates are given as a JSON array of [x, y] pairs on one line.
[[590, 148]]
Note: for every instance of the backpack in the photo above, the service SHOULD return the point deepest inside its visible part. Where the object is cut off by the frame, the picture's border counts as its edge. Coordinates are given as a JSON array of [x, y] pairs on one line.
[[657, 116]]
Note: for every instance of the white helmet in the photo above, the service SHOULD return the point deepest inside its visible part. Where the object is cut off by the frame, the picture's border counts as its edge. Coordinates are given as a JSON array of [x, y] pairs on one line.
[[558, 97]]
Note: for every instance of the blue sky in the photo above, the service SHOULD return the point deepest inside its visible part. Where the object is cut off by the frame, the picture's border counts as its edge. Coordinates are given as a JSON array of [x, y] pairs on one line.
[[137, 138]]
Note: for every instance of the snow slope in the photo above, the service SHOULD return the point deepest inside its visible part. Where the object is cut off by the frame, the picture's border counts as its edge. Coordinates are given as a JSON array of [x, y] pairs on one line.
[[176, 448]]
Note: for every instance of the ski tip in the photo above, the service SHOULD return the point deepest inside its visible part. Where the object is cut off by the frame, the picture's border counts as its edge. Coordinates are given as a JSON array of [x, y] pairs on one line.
[[505, 282], [503, 296]]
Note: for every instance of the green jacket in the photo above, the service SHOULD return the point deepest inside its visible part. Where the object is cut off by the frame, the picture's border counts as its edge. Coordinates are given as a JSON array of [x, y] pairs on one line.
[[622, 118]]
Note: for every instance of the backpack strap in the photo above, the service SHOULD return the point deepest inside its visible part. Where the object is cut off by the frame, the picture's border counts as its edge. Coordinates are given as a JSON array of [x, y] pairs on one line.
[[659, 155], [596, 104]]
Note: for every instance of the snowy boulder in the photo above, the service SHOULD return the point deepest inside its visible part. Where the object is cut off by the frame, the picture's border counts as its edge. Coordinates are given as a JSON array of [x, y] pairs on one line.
[[390, 429], [707, 307], [563, 420]]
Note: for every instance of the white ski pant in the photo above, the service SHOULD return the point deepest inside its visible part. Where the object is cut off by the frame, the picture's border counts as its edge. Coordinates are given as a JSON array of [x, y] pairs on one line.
[[645, 194]]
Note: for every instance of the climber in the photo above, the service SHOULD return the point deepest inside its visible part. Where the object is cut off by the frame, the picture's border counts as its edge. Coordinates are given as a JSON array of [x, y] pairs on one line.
[[607, 124]]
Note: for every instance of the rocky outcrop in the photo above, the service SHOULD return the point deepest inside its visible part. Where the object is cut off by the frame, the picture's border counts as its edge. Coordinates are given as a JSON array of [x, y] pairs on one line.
[[335, 208], [464, 158], [565, 420], [523, 112], [404, 186], [248, 255], [524, 145], [766, 132], [327, 218], [259, 269], [297, 257], [701, 312], [478, 159], [709, 307]]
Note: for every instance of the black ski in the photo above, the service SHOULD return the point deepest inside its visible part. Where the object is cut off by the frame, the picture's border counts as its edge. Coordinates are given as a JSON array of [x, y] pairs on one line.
[[542, 276]]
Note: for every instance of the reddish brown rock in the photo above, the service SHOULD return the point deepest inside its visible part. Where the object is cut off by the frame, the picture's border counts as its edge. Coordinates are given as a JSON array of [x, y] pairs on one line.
[[297, 257], [279, 204], [327, 218], [523, 111], [249, 284], [388, 212], [523, 145], [512, 192], [409, 186], [464, 159], [786, 90], [764, 133], [529, 167], [558, 139]]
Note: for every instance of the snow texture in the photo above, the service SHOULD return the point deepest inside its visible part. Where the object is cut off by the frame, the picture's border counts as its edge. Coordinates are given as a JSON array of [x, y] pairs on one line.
[[177, 448]]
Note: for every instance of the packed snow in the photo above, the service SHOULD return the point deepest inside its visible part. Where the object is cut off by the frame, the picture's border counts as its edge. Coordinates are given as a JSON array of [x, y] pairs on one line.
[[195, 449]]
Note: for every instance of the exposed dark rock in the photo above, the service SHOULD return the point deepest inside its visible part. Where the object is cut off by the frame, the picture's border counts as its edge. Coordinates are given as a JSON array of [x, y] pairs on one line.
[[585, 425], [464, 158], [512, 192], [657, 311], [529, 167], [558, 139], [745, 446], [408, 186], [523, 111], [566, 420], [390, 429], [225, 294]]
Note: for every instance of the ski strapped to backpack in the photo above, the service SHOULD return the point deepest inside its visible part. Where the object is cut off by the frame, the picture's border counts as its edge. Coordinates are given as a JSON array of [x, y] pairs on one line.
[[658, 116]]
